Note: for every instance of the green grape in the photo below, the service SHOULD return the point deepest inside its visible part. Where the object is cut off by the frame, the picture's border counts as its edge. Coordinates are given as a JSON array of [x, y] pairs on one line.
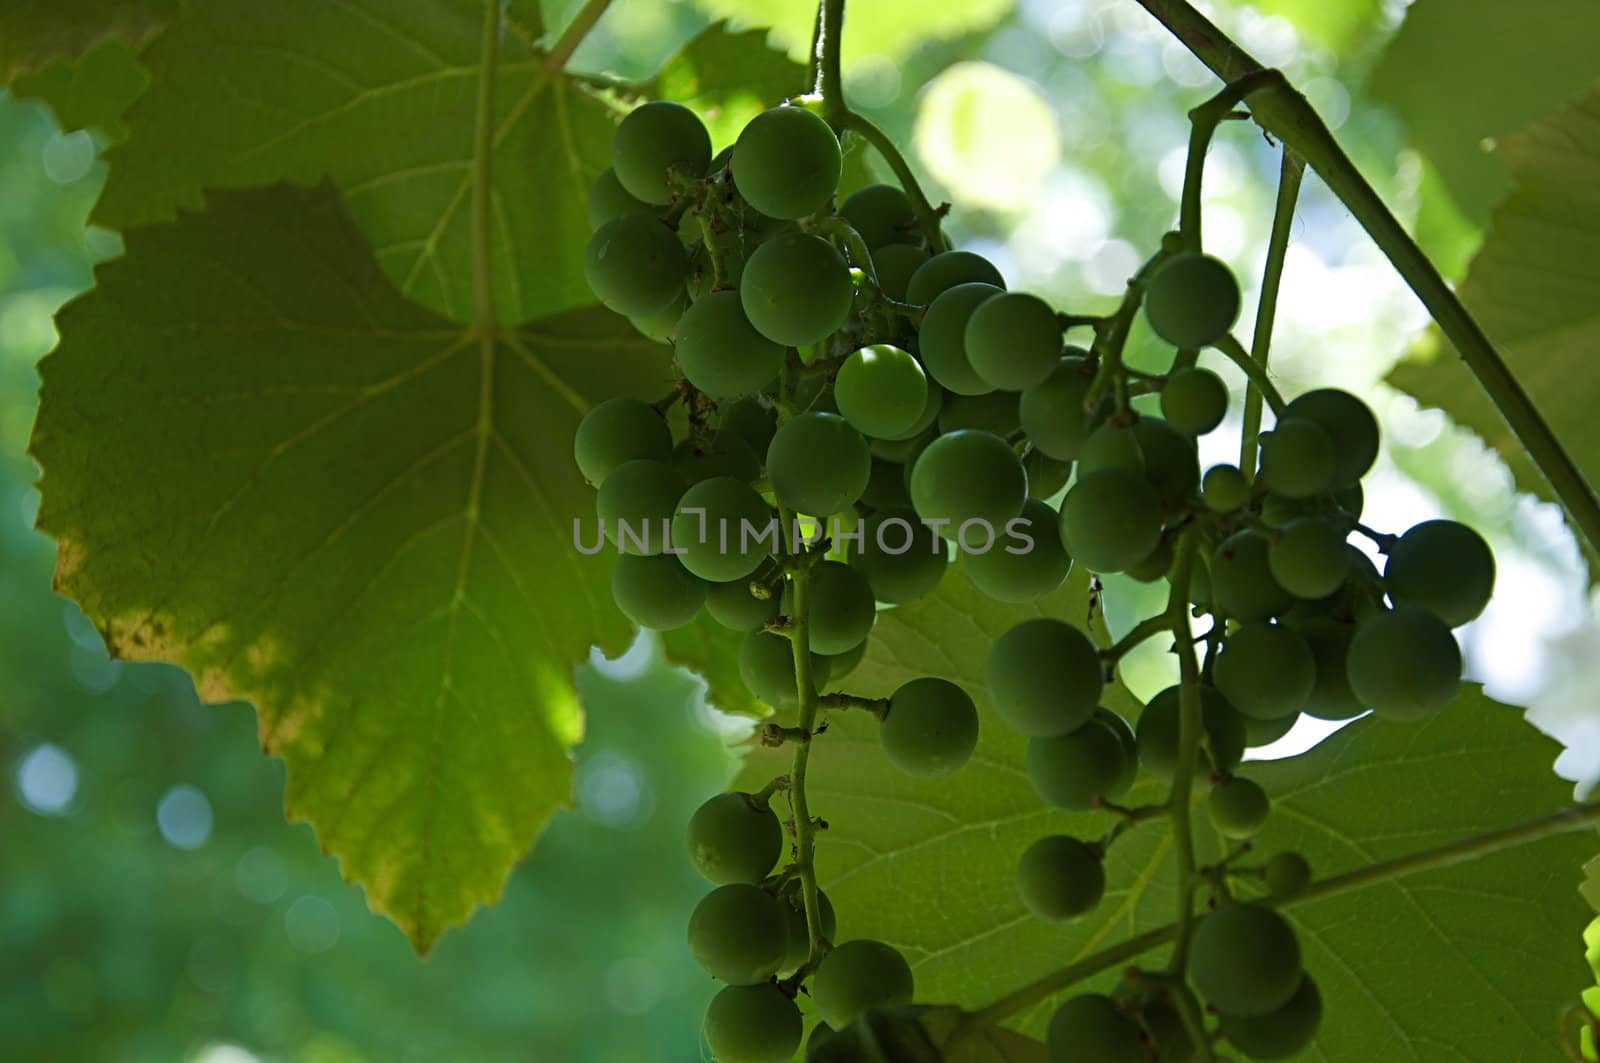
[[968, 476], [858, 975], [1044, 677], [653, 140], [894, 265], [1130, 747], [942, 338], [748, 419], [1244, 959], [841, 665], [799, 937], [635, 265], [902, 558], [753, 1024], [1286, 874], [1332, 697], [636, 503], [1297, 458], [1238, 808], [1013, 341], [881, 390], [609, 200], [1241, 580], [1194, 401], [882, 214], [995, 412], [1443, 567], [737, 934], [619, 431], [1091, 1027], [1052, 412], [1266, 671], [766, 666], [1405, 664], [796, 289], [1039, 565], [1258, 733], [1072, 770], [733, 606], [1165, 457], [719, 527], [818, 464], [842, 608], [1224, 488], [656, 591], [720, 352], [1157, 734], [1310, 558], [930, 729], [1351, 426], [726, 456], [1192, 300], [946, 270], [1281, 1033], [881, 1035], [662, 326], [1060, 877], [786, 163], [1046, 475], [734, 839], [903, 446], [1110, 520], [1154, 565], [886, 487]]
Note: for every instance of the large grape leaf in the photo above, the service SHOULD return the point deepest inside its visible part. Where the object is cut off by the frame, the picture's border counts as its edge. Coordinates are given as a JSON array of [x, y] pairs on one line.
[[90, 92], [891, 28], [1532, 288], [263, 463], [728, 77], [928, 866], [1463, 72], [37, 33]]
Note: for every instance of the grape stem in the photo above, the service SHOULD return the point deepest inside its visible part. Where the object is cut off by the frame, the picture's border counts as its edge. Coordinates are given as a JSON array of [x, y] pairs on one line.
[[1256, 372], [1289, 177], [1203, 122], [573, 35], [1189, 736], [1286, 114], [830, 85], [879, 707]]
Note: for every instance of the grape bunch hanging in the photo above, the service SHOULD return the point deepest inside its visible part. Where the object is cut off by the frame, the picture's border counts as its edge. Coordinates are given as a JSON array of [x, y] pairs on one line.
[[839, 363]]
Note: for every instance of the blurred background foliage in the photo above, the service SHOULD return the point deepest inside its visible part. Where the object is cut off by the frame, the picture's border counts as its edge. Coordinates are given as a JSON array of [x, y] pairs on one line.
[[155, 906]]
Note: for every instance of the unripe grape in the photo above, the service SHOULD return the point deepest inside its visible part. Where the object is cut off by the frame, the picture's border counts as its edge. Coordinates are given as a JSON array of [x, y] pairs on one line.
[[904, 446], [881, 390], [1281, 1033], [1072, 770], [886, 487], [1286, 875], [841, 665], [766, 666], [1044, 677], [1224, 488], [618, 431], [734, 839], [946, 270], [883, 216], [753, 1024], [786, 163], [636, 503], [1037, 570], [1158, 733], [1110, 520], [1165, 457], [902, 558], [1404, 664], [1351, 426], [1192, 300], [1154, 565], [881, 1035], [1241, 580], [1238, 808], [1266, 671], [656, 592], [656, 138], [1310, 558], [1332, 697], [1013, 340], [931, 728], [818, 464], [942, 339], [796, 289], [791, 899], [720, 352], [895, 264], [995, 412], [1443, 567], [635, 265], [737, 934], [1046, 475], [1258, 733], [733, 606], [1052, 411], [1060, 877], [1194, 400], [968, 476], [1130, 747], [1297, 458], [1091, 1027], [608, 200], [1244, 959], [718, 529], [842, 608], [858, 975], [662, 326], [748, 419]]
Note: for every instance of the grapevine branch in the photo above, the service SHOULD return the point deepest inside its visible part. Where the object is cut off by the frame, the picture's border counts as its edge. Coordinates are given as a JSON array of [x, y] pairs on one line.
[[1289, 176]]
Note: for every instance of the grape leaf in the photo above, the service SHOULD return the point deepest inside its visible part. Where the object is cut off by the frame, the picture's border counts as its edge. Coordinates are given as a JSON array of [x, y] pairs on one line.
[[1335, 24], [1532, 288], [263, 463], [728, 78], [711, 651], [37, 33], [90, 92], [927, 866], [1460, 72], [891, 28]]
